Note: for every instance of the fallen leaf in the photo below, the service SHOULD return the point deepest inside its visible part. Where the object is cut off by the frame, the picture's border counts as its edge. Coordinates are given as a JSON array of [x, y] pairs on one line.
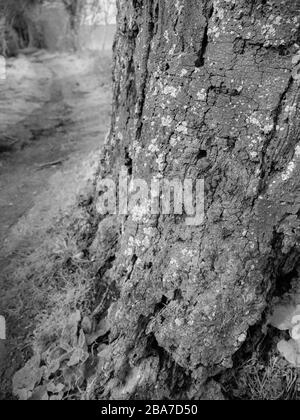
[[82, 341], [55, 388], [86, 325], [73, 376], [282, 317], [78, 356], [40, 394], [56, 397], [69, 335], [101, 330], [290, 350], [25, 380]]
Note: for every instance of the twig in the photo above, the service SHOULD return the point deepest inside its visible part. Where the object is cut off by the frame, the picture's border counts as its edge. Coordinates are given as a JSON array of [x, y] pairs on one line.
[[10, 138], [49, 164]]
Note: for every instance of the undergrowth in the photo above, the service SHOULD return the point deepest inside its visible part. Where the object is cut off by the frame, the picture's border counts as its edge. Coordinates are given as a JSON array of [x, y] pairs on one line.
[[39, 292], [56, 272], [273, 380]]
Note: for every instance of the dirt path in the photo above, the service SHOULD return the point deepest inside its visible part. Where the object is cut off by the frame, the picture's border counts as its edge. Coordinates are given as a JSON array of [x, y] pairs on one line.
[[54, 115]]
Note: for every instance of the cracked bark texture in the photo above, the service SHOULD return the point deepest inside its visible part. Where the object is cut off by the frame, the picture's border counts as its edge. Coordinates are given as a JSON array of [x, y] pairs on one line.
[[202, 89]]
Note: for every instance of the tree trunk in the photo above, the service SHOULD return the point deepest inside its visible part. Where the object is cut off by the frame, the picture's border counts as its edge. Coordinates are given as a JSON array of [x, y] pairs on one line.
[[202, 89]]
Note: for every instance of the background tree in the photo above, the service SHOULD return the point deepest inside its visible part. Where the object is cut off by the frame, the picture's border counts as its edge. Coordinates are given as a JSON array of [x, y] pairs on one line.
[[98, 13], [108, 12], [16, 28], [202, 89]]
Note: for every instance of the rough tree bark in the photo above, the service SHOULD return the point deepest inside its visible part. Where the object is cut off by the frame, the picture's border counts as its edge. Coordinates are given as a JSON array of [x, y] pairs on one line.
[[202, 89]]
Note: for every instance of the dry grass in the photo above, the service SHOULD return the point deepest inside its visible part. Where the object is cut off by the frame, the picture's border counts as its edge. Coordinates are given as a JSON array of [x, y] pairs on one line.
[[274, 380], [45, 286], [40, 294]]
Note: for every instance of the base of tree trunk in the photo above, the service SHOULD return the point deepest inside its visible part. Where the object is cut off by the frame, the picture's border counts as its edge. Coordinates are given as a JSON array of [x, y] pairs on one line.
[[208, 90]]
